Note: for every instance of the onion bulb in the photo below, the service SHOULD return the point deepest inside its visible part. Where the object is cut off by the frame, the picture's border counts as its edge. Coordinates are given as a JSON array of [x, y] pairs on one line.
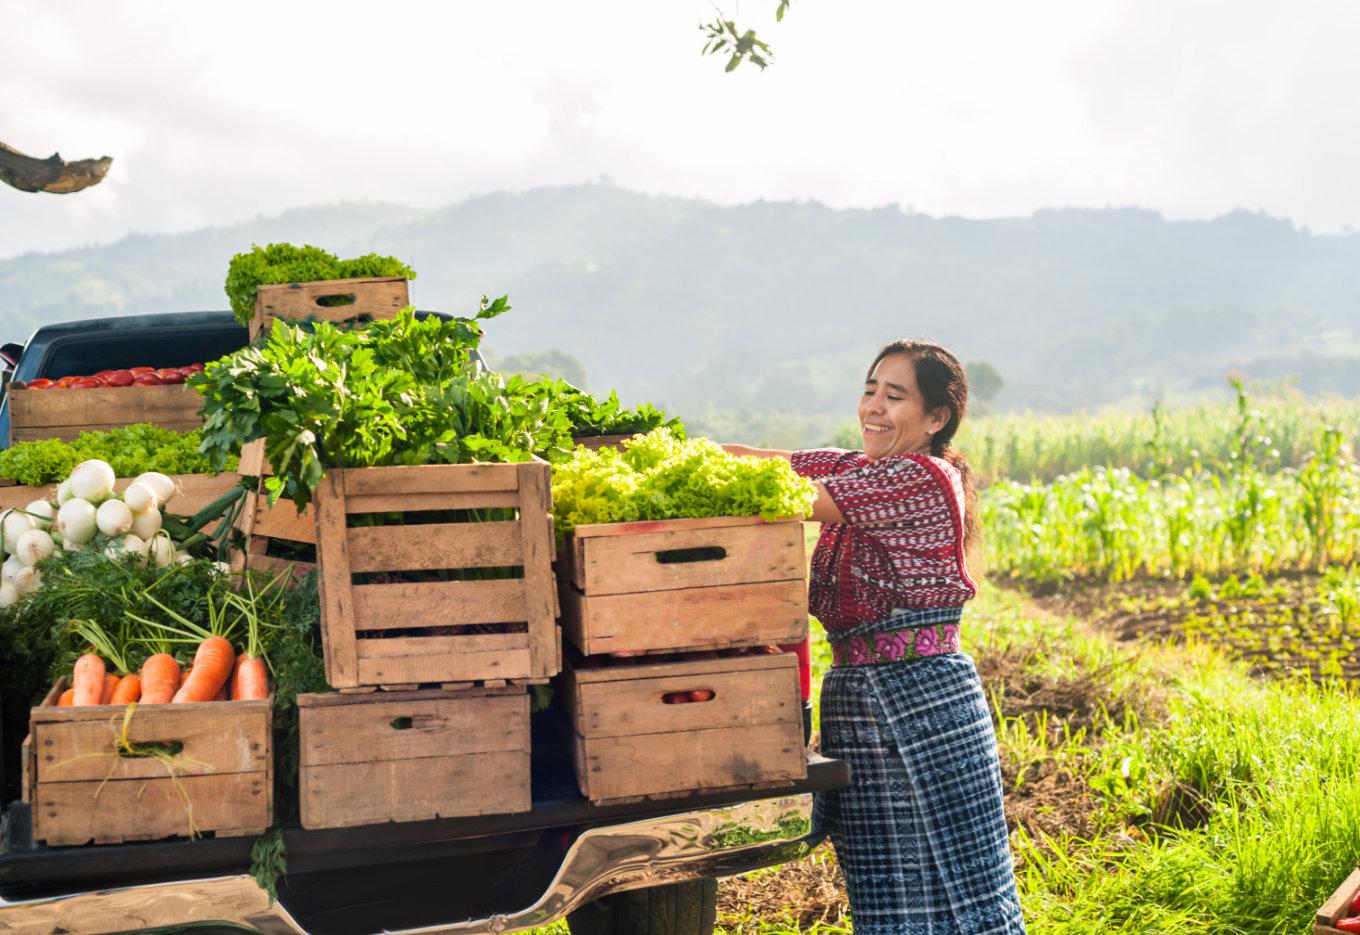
[[34, 546], [113, 517], [160, 484], [27, 580], [11, 567], [40, 513], [64, 491], [127, 545], [160, 548], [92, 480], [8, 593], [145, 524], [13, 524], [140, 497], [183, 558], [76, 522]]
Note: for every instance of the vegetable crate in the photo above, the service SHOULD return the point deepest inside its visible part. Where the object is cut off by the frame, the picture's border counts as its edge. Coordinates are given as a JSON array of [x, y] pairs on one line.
[[109, 774], [63, 414], [684, 584], [193, 491], [1338, 906], [409, 756], [274, 533], [333, 300], [450, 597], [631, 739], [596, 442]]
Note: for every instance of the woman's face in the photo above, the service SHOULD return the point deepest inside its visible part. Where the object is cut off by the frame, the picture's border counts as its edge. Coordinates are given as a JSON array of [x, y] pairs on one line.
[[892, 413]]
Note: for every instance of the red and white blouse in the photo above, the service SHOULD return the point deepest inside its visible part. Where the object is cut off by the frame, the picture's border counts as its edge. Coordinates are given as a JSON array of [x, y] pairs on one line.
[[901, 546]]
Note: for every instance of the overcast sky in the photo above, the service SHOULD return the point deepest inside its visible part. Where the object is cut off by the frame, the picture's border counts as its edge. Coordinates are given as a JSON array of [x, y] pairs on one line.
[[219, 112]]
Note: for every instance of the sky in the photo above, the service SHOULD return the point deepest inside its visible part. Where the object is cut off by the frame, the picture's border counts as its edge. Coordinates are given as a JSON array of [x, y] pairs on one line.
[[217, 113]]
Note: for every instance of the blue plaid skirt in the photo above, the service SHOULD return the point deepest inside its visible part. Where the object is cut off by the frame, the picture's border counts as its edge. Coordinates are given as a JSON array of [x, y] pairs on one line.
[[920, 832]]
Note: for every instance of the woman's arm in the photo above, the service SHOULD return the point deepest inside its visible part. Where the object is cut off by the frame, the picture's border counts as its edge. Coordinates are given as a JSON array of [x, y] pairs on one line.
[[824, 510]]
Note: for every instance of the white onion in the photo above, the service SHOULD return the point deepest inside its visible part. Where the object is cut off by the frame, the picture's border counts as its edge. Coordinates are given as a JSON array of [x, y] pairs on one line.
[[13, 524], [92, 480], [222, 568], [183, 558], [8, 593], [160, 549], [40, 513], [146, 524], [64, 491], [163, 485], [140, 497], [127, 545], [113, 518], [34, 546], [27, 580], [11, 568], [76, 521]]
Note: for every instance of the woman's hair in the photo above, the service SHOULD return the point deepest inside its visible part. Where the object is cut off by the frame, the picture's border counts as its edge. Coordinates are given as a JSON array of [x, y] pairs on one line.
[[942, 382]]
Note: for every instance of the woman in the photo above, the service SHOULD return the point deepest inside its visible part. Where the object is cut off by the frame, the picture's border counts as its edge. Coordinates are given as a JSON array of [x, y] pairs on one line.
[[920, 833]]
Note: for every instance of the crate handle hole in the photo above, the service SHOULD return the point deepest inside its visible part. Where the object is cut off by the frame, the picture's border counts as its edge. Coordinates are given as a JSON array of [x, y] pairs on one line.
[[703, 553], [335, 301], [402, 723], [152, 748], [691, 696]]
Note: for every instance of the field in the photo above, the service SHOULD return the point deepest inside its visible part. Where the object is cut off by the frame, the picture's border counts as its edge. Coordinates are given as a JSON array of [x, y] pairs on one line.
[[1167, 628]]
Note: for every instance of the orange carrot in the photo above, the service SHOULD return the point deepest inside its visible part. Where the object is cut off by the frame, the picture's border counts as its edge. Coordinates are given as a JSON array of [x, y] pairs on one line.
[[250, 678], [160, 678], [210, 671], [88, 680], [110, 683], [66, 696], [222, 694], [129, 690]]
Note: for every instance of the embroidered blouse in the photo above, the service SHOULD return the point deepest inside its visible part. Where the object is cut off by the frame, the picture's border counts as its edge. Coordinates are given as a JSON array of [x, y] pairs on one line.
[[901, 546]]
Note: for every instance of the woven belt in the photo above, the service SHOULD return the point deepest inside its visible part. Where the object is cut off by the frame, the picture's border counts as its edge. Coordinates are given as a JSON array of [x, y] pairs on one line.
[[934, 639]]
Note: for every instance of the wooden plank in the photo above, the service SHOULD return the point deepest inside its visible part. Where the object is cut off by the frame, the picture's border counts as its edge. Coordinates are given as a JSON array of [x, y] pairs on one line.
[[60, 411], [437, 667], [336, 592], [427, 478], [192, 491], [402, 646], [144, 809], [436, 545], [1337, 905], [647, 667], [646, 764], [596, 442], [398, 726], [437, 500], [639, 527], [415, 790], [438, 603], [740, 699], [282, 521], [374, 298], [626, 564], [539, 584], [769, 613]]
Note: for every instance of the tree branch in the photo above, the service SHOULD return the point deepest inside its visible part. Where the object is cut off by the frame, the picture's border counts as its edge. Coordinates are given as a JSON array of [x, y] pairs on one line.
[[52, 174]]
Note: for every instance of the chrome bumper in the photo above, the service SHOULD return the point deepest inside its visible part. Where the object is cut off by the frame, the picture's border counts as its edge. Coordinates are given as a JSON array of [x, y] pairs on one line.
[[717, 842]]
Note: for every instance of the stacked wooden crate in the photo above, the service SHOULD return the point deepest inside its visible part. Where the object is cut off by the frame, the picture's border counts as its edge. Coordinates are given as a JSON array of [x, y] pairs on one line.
[[452, 615], [332, 300], [107, 774], [35, 415], [275, 535], [670, 689]]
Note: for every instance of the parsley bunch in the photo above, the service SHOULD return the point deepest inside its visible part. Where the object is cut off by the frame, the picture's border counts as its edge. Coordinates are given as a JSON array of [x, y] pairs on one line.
[[282, 262], [660, 476]]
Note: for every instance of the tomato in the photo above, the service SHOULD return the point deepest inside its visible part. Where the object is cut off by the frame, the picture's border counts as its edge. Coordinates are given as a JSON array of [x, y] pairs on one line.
[[675, 698], [67, 381], [1349, 924], [170, 375], [701, 694], [147, 379], [103, 374], [41, 383], [192, 368], [119, 378], [138, 371], [86, 383], [765, 650]]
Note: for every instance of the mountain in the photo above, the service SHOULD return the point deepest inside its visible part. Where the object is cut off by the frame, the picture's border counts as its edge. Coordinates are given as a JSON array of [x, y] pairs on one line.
[[777, 306]]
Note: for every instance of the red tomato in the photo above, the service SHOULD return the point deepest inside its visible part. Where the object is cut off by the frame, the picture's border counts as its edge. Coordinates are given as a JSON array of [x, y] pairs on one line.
[[119, 378], [147, 379], [192, 368], [171, 375], [67, 381], [675, 698], [137, 371], [41, 383], [1351, 924], [86, 383], [765, 650], [701, 694], [103, 374]]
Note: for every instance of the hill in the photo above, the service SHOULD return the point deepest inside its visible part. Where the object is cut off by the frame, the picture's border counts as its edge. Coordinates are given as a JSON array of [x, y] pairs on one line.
[[775, 307]]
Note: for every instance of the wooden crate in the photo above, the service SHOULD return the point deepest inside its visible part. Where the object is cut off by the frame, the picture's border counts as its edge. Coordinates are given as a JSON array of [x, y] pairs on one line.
[[596, 442], [195, 491], [416, 632], [82, 790], [266, 526], [1337, 906], [409, 756], [372, 299], [628, 742], [622, 590], [38, 414]]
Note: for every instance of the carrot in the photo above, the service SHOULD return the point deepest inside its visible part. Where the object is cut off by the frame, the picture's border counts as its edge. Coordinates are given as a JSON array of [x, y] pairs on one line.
[[129, 690], [88, 680], [66, 696], [160, 678], [110, 683], [210, 671], [250, 678], [222, 694]]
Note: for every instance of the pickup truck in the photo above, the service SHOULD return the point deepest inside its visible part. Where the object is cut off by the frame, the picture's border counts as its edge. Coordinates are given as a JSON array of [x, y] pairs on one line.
[[648, 867]]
